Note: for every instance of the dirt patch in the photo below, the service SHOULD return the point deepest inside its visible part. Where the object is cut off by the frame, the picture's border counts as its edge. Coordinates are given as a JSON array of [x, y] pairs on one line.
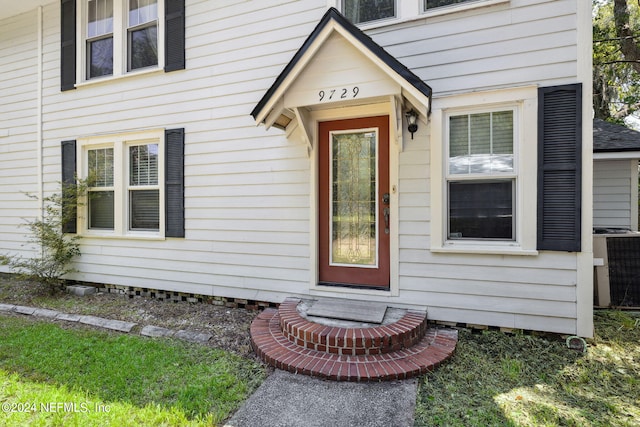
[[229, 326]]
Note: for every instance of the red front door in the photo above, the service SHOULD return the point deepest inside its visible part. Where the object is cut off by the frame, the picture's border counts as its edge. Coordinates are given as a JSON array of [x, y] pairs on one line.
[[354, 202]]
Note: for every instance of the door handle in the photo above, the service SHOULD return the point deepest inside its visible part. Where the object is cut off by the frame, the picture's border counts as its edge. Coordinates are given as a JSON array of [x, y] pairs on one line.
[[386, 211]]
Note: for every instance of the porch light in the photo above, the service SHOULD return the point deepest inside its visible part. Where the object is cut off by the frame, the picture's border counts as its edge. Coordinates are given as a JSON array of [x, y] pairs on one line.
[[412, 120]]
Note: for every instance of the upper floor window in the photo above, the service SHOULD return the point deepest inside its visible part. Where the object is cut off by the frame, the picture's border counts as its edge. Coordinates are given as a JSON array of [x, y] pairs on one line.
[[379, 12], [432, 4], [359, 11], [104, 39], [120, 36], [142, 34]]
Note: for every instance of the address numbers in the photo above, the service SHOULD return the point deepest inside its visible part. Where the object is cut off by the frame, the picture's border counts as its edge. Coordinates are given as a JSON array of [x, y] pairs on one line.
[[344, 93]]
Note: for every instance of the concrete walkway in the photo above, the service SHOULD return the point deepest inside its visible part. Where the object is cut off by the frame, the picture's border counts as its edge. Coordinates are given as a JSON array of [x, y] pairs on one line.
[[290, 400]]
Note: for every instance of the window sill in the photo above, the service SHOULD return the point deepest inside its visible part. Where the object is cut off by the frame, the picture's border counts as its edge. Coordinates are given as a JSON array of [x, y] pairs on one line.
[[107, 79], [487, 248], [122, 236], [445, 10]]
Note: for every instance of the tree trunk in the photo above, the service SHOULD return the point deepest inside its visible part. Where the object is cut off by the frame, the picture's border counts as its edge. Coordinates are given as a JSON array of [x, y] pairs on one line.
[[628, 46]]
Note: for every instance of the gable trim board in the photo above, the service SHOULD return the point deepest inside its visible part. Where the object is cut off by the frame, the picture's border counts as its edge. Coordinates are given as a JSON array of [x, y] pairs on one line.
[[271, 108]]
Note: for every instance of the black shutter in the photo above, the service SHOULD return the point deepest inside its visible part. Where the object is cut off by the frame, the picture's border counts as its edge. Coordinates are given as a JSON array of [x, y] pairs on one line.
[[174, 182], [174, 35], [67, 44], [560, 167], [69, 210]]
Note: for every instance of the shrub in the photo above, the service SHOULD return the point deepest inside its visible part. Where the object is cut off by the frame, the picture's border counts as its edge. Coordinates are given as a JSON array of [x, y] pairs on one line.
[[54, 249]]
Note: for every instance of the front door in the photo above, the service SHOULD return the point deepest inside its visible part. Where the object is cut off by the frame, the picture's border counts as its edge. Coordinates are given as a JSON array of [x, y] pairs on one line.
[[354, 202]]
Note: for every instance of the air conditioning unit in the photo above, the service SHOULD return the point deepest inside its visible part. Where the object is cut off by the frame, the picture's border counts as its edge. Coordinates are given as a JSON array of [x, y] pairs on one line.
[[616, 255]]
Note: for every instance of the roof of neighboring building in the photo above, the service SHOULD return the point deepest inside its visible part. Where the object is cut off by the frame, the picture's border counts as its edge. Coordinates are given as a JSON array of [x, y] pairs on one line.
[[609, 137]]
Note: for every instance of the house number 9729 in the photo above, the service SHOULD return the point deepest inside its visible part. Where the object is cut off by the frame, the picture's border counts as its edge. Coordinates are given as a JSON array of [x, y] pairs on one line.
[[343, 93]]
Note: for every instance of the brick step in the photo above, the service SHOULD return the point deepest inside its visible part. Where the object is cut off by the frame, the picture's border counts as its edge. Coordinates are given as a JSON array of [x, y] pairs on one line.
[[404, 333], [272, 346]]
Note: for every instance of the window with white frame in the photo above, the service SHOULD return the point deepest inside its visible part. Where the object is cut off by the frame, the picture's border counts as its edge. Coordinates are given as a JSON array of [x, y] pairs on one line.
[[120, 36], [433, 4], [124, 174], [360, 11], [481, 175], [379, 12], [100, 194]]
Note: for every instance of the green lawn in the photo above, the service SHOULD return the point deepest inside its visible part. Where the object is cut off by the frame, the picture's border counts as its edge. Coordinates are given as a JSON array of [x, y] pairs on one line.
[[496, 379], [53, 376]]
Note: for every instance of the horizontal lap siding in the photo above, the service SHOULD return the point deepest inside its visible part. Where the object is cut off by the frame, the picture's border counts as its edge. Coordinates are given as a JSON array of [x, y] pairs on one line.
[[526, 292], [532, 43], [505, 45], [612, 187], [246, 190], [18, 119]]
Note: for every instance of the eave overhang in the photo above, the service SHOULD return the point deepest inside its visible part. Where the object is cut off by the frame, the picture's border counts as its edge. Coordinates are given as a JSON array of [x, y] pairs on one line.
[[271, 109]]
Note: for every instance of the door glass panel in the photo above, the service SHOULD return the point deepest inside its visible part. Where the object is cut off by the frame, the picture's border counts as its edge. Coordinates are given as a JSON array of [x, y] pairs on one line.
[[353, 198]]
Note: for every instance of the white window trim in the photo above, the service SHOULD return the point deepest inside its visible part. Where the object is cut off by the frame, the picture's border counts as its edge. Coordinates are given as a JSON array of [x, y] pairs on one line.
[[411, 10], [119, 44], [121, 144], [475, 177], [525, 164]]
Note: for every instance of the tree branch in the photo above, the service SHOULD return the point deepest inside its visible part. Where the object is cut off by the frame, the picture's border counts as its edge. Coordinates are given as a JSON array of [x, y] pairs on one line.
[[617, 39], [621, 61]]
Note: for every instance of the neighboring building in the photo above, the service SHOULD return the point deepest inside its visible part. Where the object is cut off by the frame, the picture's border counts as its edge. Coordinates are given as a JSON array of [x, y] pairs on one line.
[[616, 150], [481, 214]]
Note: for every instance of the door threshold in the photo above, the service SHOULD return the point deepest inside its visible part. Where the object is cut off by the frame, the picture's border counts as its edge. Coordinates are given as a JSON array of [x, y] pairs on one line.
[[353, 286]]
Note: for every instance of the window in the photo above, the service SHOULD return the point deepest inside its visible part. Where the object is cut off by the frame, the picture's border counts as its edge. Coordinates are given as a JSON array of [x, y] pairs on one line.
[[100, 197], [120, 36], [481, 176], [142, 40], [125, 172], [360, 11], [432, 4], [114, 38], [100, 38], [144, 193], [370, 13]]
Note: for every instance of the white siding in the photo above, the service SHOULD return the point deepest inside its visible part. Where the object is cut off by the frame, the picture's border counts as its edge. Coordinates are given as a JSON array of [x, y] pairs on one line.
[[515, 44], [248, 197], [614, 187], [18, 119], [247, 191]]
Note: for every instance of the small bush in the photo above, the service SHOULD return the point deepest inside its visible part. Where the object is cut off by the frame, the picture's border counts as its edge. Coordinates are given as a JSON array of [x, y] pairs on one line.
[[55, 249]]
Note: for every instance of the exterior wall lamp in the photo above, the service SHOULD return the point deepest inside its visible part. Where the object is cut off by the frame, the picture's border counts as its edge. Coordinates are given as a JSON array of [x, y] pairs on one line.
[[412, 120]]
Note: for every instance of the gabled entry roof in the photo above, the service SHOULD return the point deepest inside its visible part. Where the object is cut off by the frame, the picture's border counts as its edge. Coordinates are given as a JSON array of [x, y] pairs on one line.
[[271, 110]]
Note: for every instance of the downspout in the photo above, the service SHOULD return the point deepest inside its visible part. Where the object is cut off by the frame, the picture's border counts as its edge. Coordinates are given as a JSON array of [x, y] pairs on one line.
[[39, 139]]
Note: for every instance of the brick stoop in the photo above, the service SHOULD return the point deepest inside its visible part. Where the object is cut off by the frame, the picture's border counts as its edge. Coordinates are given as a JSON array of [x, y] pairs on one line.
[[404, 349]]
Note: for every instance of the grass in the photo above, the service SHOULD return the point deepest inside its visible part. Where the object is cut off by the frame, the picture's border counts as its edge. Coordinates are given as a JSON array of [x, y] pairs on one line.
[[496, 379], [141, 381]]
